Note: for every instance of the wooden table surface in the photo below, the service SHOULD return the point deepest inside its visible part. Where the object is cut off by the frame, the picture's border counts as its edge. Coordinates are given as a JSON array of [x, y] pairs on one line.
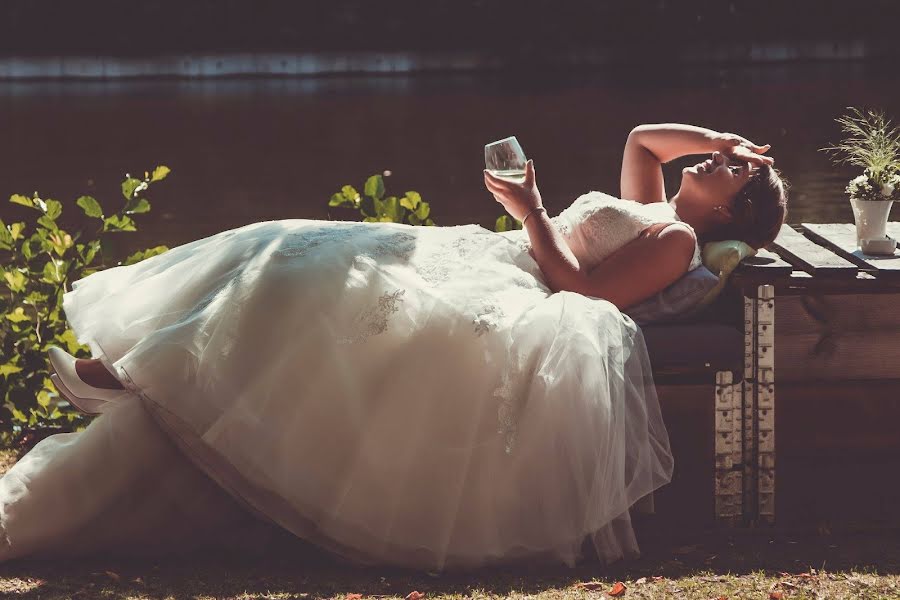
[[820, 258]]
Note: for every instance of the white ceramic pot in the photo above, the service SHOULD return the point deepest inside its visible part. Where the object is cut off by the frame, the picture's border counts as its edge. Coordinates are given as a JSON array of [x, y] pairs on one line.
[[871, 218]]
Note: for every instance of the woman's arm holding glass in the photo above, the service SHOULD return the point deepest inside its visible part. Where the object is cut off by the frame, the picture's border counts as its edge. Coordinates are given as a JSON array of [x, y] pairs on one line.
[[551, 252]]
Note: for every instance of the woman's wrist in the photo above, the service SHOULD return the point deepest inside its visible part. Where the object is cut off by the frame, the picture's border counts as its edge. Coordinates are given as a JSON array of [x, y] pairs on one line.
[[537, 208]]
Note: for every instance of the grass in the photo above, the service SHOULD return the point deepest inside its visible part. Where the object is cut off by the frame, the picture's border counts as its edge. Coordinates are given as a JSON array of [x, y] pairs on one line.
[[740, 564]]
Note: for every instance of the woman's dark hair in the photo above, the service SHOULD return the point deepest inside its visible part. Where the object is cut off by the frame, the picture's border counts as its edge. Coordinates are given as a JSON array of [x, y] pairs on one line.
[[759, 210]]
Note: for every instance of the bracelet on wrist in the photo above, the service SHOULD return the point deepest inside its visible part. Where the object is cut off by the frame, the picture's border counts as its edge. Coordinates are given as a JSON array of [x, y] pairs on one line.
[[532, 211]]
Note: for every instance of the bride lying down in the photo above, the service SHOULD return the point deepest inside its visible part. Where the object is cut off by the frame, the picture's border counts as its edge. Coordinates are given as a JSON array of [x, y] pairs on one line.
[[431, 397]]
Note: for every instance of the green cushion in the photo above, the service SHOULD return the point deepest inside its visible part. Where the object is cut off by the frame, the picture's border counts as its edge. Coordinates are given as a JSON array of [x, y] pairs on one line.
[[722, 258]]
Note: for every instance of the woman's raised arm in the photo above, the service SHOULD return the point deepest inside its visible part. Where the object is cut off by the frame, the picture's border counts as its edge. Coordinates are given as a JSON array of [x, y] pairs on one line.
[[651, 145]]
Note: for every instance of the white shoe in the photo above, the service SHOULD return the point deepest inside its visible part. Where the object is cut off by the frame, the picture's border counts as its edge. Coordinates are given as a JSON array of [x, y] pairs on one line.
[[85, 397]]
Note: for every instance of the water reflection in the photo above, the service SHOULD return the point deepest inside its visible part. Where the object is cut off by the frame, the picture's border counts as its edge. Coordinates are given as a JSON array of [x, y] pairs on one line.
[[245, 150]]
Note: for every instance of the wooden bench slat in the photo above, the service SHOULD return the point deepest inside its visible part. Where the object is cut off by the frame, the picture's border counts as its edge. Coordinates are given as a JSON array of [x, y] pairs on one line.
[[816, 260], [765, 264], [841, 237]]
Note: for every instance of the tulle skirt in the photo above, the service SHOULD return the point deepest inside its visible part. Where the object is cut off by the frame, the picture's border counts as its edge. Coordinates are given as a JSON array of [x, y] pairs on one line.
[[398, 395]]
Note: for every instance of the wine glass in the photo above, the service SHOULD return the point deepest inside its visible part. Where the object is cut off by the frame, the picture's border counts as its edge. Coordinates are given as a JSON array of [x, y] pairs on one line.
[[505, 159]]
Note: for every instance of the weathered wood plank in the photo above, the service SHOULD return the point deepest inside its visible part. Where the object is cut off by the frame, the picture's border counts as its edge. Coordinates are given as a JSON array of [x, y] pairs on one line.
[[765, 263], [822, 337], [838, 355], [841, 237], [801, 282], [838, 312], [816, 260]]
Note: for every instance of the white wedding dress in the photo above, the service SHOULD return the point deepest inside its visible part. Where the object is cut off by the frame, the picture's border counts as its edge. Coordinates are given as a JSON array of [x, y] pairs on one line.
[[397, 395]]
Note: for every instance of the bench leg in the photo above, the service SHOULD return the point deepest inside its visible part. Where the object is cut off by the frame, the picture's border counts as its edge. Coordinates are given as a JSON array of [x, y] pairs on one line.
[[765, 404], [759, 406], [729, 451]]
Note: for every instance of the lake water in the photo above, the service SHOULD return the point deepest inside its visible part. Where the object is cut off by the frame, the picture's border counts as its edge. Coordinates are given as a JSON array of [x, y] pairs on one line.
[[248, 150]]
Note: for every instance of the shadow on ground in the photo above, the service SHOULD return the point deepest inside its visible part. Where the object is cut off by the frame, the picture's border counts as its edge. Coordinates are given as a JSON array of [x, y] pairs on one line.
[[706, 563]]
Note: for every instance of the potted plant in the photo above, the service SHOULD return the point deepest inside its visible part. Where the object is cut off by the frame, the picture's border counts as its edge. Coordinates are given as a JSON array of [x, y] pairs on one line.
[[870, 142]]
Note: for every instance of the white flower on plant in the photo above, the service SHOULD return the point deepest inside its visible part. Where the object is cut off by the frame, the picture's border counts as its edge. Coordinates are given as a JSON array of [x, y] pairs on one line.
[[887, 189], [859, 180]]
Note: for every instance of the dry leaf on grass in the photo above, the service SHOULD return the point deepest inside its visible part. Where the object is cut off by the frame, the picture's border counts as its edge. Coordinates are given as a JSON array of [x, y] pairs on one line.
[[776, 595], [641, 581], [617, 590], [591, 585], [415, 595], [353, 597]]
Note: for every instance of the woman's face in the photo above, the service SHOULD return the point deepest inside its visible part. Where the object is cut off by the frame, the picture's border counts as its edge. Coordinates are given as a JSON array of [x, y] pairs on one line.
[[715, 181]]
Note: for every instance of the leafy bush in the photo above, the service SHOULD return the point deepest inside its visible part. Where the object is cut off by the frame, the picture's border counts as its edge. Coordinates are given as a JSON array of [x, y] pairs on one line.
[[409, 209], [374, 207], [34, 271]]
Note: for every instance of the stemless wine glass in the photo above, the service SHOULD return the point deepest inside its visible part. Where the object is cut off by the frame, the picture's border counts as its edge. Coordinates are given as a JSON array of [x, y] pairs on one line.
[[505, 159]]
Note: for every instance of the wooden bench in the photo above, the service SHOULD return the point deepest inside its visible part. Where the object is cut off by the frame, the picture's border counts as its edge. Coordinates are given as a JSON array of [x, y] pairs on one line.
[[837, 330], [698, 368]]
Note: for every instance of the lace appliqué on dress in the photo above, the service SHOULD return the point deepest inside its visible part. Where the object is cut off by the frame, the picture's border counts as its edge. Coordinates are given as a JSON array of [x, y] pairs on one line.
[[374, 320], [398, 244], [561, 225], [301, 242], [487, 318], [507, 413], [449, 257], [524, 242]]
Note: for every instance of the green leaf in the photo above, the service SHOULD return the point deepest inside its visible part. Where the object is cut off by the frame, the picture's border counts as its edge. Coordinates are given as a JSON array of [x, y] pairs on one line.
[[414, 197], [351, 194], [17, 230], [54, 209], [411, 200], [60, 241], [23, 200], [501, 224], [339, 199], [118, 223], [390, 209], [18, 414], [423, 210], [43, 398], [46, 221], [18, 315], [160, 172], [414, 220], [131, 185], [92, 248], [90, 207], [6, 237], [367, 207], [52, 272], [144, 254], [16, 280], [140, 206], [35, 298], [375, 187], [27, 250], [69, 339], [9, 369]]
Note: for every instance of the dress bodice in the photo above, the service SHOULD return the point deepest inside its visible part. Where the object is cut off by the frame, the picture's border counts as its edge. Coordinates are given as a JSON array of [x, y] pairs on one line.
[[597, 224]]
